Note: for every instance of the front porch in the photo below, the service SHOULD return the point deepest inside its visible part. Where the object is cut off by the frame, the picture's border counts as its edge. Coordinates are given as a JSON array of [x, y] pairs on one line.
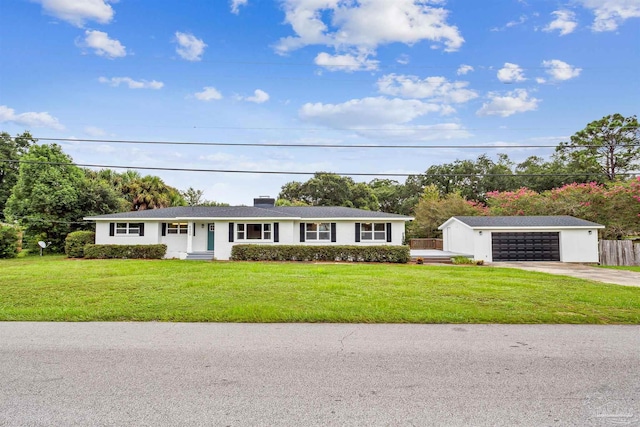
[[435, 255]]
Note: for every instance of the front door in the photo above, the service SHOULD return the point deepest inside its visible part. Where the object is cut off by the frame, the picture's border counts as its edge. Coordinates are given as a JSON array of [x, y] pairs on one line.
[[210, 237]]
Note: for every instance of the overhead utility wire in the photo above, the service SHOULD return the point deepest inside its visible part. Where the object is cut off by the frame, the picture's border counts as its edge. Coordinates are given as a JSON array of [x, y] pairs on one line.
[[245, 171], [297, 145]]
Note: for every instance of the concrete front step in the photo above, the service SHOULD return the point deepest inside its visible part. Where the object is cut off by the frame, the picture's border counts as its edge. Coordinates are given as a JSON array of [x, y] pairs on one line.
[[439, 260], [200, 256]]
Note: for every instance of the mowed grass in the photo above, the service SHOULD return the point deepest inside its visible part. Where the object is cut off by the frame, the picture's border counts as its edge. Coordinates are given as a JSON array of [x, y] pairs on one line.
[[57, 289]]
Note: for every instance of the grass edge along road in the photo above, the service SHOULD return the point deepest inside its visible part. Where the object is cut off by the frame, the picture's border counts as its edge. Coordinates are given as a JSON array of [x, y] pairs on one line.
[[58, 289]]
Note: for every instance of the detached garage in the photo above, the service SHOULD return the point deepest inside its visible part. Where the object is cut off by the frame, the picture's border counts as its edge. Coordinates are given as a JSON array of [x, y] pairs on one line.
[[522, 238]]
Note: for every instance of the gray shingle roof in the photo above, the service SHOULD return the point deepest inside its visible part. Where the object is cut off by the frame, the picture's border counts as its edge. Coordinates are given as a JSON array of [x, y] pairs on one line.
[[334, 212], [251, 212], [525, 221]]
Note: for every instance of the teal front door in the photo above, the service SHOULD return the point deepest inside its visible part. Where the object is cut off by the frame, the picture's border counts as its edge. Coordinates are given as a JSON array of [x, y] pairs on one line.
[[210, 237]]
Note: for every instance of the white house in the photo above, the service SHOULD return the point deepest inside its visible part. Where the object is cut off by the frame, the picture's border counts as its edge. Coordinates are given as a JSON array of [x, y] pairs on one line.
[[522, 238], [205, 232]]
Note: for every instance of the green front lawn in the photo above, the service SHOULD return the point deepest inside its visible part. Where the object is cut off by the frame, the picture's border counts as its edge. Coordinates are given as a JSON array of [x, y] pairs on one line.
[[54, 288]]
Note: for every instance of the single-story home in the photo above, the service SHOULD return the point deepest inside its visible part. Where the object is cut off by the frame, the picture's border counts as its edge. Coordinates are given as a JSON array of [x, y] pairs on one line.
[[202, 232], [522, 238]]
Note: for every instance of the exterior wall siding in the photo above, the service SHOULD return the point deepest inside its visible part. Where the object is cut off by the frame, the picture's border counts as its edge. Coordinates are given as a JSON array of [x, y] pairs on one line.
[[289, 234]]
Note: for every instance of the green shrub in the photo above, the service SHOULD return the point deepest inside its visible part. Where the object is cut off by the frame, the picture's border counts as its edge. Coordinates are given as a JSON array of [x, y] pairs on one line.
[[395, 254], [462, 260], [124, 251], [75, 242], [9, 240]]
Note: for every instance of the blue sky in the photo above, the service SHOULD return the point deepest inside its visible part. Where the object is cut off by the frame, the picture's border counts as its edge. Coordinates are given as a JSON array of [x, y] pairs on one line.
[[490, 73]]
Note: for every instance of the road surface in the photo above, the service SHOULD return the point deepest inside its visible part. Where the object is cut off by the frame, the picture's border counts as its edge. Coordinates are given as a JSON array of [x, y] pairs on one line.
[[155, 374]]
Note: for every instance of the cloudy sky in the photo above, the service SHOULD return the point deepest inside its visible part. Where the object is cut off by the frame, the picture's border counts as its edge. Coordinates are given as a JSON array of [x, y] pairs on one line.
[[488, 73]]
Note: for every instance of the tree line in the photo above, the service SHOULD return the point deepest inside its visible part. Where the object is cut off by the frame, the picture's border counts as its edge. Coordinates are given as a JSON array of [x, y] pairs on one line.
[[588, 176], [591, 176], [43, 192]]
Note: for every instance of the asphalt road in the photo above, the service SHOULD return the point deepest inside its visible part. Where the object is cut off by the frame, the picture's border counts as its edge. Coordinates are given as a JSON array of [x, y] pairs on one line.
[[155, 374]]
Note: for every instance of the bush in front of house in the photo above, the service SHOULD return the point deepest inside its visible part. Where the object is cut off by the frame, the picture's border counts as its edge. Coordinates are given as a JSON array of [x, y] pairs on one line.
[[462, 260], [394, 254], [9, 241], [75, 242], [124, 251]]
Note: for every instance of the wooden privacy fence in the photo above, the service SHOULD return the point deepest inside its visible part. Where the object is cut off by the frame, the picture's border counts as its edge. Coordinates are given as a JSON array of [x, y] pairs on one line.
[[619, 252], [425, 244]]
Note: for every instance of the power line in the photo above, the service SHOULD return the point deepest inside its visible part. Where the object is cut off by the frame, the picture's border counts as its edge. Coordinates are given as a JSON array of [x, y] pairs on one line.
[[246, 171], [297, 145]]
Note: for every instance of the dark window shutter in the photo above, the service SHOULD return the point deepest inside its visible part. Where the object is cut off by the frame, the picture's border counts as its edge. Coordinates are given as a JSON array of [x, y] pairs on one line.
[[388, 232], [357, 231], [276, 232], [194, 228], [333, 232], [302, 229], [164, 228], [112, 229], [231, 229], [141, 226]]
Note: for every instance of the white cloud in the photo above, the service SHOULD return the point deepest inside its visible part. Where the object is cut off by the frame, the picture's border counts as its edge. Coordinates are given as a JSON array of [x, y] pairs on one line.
[[403, 59], [189, 47], [102, 45], [510, 24], [511, 73], [94, 131], [77, 12], [345, 62], [541, 80], [517, 101], [235, 5], [29, 119], [437, 89], [208, 94], [438, 132], [560, 70], [464, 69], [610, 14], [133, 84], [565, 22], [259, 97], [369, 112], [367, 24]]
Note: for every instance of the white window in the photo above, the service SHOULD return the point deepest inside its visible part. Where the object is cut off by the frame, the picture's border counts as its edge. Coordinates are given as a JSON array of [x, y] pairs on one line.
[[318, 231], [177, 228], [254, 232], [373, 231], [127, 228]]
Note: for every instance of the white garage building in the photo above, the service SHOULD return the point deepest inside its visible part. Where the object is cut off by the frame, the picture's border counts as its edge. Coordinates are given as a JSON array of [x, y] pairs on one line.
[[522, 238]]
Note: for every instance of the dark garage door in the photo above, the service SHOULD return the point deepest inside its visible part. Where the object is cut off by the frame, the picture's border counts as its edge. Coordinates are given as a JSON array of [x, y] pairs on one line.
[[525, 246]]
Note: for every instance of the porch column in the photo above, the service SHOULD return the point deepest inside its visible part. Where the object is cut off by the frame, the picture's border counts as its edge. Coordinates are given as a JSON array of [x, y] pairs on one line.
[[190, 226]]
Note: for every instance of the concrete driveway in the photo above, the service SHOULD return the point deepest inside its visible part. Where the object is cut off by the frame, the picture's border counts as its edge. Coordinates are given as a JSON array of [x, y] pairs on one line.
[[605, 275]]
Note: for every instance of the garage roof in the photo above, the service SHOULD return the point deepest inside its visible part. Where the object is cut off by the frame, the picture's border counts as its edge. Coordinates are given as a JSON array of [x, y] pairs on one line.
[[525, 221]]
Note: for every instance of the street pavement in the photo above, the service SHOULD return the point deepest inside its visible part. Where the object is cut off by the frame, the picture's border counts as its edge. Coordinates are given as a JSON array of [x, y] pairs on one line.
[[175, 374]]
